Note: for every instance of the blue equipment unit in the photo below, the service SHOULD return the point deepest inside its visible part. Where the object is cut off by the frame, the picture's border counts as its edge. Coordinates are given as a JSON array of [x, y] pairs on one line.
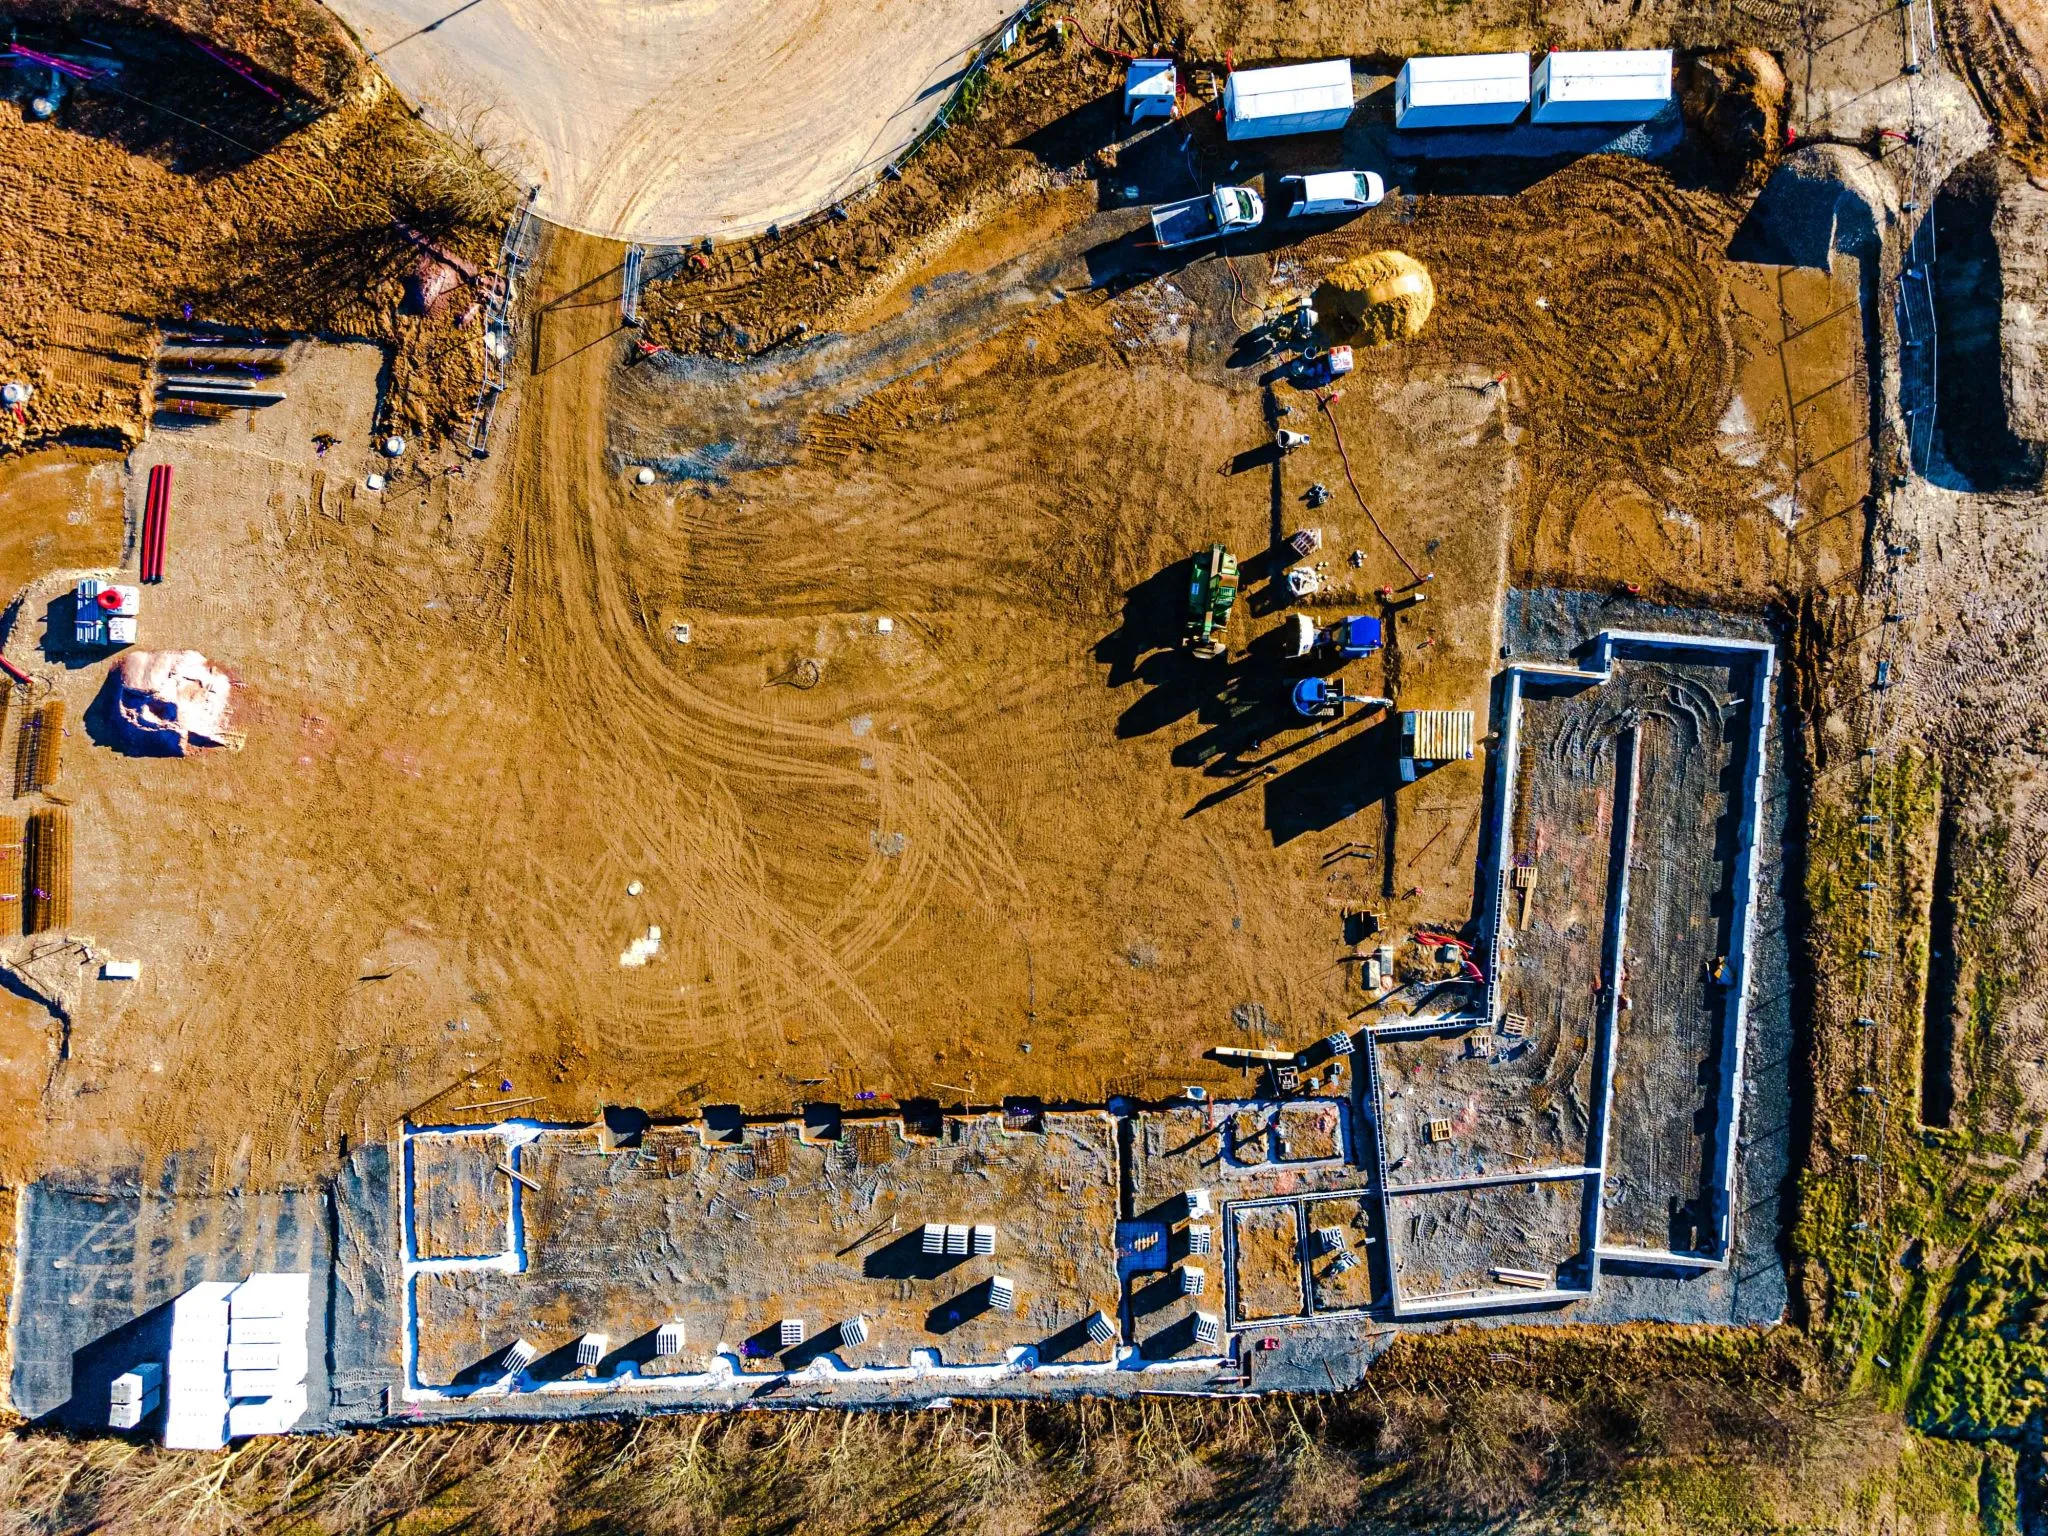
[[1357, 636], [1317, 697]]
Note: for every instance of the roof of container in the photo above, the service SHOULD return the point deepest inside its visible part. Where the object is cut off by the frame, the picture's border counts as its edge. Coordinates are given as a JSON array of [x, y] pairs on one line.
[[1441, 735], [1467, 79], [1326, 186], [1148, 75], [1321, 78], [1612, 75]]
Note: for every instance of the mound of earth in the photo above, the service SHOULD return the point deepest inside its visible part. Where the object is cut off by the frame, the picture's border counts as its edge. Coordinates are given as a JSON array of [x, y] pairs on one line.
[[1734, 99], [167, 702], [1376, 299]]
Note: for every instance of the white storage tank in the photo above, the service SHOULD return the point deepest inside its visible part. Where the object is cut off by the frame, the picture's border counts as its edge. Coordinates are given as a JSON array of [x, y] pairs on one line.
[[1615, 86], [1294, 98], [1466, 90]]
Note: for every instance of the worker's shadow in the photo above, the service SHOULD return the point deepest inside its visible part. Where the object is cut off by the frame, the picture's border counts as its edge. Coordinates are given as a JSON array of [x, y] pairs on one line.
[[1361, 769]]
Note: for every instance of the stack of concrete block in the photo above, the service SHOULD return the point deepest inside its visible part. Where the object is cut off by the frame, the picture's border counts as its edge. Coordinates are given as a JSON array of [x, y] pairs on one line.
[[135, 1395], [196, 1375], [268, 1319]]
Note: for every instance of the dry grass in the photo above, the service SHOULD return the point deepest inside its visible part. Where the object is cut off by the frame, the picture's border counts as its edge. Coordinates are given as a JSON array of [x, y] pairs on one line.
[[1554, 1431]]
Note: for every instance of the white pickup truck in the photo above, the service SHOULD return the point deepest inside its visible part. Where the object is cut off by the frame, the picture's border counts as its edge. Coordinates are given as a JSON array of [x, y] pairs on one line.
[[1215, 213]]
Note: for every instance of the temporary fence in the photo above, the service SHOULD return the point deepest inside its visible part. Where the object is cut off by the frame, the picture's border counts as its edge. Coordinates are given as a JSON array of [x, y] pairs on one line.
[[501, 318], [1906, 293]]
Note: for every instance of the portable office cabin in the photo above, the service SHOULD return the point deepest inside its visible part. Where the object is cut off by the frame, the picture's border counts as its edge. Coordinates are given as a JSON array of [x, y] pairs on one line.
[[1467, 90], [1293, 98], [1150, 87], [1616, 86]]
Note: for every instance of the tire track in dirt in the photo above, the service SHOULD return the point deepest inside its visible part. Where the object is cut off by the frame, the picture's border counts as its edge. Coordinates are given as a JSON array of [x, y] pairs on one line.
[[651, 743]]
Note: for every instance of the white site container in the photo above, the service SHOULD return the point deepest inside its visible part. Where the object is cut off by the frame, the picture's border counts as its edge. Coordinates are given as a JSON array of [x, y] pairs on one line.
[[274, 1415], [131, 1415], [272, 1294], [255, 1357], [1150, 86], [195, 1372], [1466, 90], [263, 1383], [196, 1429], [1294, 98], [1613, 86]]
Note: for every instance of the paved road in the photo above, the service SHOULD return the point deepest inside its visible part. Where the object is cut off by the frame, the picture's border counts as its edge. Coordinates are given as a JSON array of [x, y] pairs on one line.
[[660, 120]]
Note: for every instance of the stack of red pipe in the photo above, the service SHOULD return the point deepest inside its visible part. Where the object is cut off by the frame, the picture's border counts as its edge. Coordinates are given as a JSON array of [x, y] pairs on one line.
[[156, 514]]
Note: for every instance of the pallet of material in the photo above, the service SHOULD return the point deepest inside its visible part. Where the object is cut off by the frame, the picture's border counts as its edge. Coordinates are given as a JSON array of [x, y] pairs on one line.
[[11, 867], [1524, 1279], [156, 516], [47, 897], [221, 394], [39, 749]]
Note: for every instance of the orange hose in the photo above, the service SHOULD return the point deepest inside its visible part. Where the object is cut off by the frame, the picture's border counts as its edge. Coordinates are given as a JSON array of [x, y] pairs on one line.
[[1114, 53], [1323, 401]]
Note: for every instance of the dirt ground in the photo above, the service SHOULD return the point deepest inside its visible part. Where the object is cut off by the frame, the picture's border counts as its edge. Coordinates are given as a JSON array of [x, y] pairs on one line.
[[2000, 45], [172, 191], [1009, 841], [1013, 843]]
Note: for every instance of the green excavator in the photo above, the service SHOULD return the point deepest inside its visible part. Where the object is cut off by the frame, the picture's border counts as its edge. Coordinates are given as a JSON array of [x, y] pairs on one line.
[[1212, 593]]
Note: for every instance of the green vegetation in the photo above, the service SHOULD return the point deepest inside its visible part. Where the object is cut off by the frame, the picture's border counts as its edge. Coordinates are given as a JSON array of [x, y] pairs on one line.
[[1988, 1371], [1986, 960], [1855, 1218], [1922, 1289]]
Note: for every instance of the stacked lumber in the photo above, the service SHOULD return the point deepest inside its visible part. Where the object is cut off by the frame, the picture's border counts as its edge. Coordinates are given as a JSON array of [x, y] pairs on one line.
[[10, 876], [156, 513], [47, 907], [39, 749]]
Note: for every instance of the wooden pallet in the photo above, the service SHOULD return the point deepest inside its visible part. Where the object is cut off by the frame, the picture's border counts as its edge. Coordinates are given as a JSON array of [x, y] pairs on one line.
[[11, 834], [39, 749], [46, 900]]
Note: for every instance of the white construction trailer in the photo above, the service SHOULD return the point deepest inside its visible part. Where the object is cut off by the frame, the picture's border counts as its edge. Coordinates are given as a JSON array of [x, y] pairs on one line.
[[1467, 90], [1617, 86], [1294, 98], [1150, 88]]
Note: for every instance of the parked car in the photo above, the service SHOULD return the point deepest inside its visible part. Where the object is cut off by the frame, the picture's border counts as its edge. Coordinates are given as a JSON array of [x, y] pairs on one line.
[[1216, 212], [1303, 197]]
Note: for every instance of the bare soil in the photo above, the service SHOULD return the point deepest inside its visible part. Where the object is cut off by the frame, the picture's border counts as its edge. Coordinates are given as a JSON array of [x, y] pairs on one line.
[[171, 192], [882, 861]]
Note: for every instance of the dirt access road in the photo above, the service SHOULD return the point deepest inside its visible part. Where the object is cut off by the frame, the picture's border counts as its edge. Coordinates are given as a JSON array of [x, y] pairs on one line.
[[665, 120]]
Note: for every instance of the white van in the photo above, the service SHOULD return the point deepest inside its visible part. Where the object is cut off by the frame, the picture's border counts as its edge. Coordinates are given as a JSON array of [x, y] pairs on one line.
[[1303, 197]]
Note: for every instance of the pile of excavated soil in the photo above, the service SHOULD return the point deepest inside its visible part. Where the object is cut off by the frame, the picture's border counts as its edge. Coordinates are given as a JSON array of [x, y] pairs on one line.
[[1734, 100], [1041, 115], [296, 43], [173, 191], [1999, 46], [1377, 299]]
